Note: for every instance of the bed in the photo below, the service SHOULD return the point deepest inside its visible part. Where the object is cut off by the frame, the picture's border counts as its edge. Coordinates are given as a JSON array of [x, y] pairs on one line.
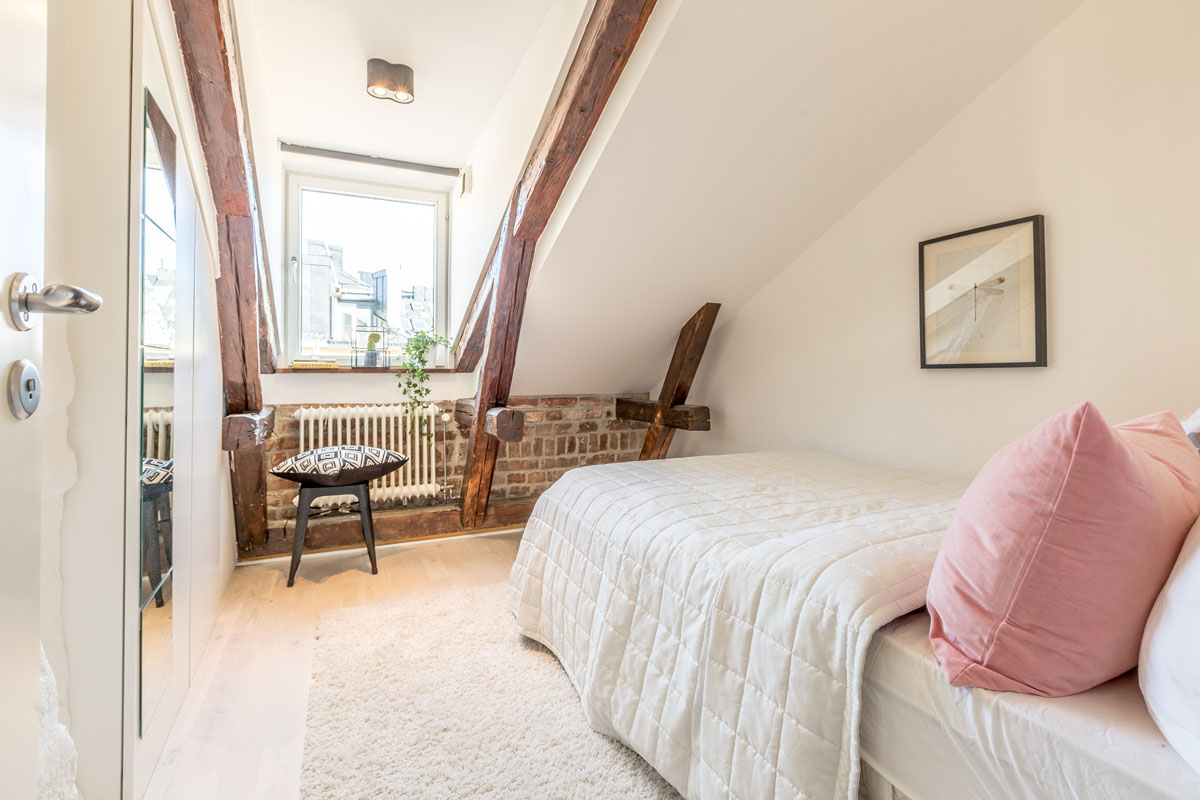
[[924, 739], [716, 613]]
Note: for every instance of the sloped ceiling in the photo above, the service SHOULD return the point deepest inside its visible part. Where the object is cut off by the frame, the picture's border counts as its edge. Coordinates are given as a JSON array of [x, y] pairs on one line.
[[314, 57], [755, 127]]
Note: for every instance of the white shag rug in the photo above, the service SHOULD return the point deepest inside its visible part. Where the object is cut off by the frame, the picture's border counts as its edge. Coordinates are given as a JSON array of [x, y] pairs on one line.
[[440, 697]]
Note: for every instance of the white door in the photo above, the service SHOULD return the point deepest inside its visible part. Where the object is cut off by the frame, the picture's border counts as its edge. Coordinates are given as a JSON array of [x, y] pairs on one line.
[[22, 225]]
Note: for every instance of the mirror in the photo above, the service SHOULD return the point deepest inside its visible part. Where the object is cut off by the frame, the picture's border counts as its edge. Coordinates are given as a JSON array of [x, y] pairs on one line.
[[157, 478]]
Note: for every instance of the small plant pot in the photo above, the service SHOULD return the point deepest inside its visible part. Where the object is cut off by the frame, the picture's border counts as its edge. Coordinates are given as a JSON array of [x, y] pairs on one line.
[[372, 358]]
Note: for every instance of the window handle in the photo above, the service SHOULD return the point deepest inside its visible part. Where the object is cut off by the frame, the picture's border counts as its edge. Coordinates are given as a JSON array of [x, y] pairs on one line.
[[25, 299]]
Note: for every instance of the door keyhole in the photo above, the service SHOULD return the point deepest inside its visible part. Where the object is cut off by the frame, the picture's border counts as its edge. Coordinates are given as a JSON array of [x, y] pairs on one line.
[[24, 388]]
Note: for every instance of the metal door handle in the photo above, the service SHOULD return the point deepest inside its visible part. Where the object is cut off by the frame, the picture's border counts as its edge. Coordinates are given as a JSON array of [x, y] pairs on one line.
[[25, 300]]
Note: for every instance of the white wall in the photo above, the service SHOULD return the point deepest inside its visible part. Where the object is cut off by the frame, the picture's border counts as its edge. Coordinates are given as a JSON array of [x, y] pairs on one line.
[[502, 148], [1097, 128], [753, 129], [343, 387]]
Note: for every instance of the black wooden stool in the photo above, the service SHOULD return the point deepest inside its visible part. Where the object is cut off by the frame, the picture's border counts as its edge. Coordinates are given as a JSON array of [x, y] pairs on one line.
[[156, 533], [310, 492]]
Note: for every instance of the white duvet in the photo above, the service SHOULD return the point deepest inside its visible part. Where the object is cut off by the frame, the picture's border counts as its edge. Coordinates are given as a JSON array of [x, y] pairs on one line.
[[714, 613]]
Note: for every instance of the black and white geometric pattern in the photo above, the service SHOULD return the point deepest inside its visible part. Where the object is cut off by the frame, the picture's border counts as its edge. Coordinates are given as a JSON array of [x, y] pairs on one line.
[[340, 465], [155, 470]]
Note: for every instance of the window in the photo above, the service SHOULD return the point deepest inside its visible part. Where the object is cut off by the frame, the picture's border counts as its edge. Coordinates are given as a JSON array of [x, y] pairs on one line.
[[158, 259], [366, 269]]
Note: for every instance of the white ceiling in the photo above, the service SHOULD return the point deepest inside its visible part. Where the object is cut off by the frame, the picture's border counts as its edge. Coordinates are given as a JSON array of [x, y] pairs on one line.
[[755, 127], [313, 57]]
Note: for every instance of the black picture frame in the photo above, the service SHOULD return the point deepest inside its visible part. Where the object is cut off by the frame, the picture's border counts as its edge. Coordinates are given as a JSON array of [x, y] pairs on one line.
[[1038, 222]]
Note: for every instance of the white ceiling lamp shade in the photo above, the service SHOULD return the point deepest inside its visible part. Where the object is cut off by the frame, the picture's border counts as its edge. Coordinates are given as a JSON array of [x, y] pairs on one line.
[[387, 81]]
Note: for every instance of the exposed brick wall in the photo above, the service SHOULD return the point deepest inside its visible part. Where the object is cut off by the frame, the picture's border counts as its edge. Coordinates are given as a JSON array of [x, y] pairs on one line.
[[561, 432]]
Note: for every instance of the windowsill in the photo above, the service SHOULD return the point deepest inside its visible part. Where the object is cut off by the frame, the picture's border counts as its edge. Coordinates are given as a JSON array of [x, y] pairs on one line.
[[364, 370]]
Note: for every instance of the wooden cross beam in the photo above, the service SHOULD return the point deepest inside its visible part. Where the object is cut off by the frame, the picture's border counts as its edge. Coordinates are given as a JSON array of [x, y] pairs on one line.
[[493, 328], [505, 424], [670, 414], [247, 431]]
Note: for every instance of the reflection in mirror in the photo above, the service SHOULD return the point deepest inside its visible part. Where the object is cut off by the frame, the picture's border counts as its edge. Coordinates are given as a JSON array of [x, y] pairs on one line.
[[157, 477], [157, 644]]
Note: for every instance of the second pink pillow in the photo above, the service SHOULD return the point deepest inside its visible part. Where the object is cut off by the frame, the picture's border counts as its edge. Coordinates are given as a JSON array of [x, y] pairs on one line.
[[1058, 550]]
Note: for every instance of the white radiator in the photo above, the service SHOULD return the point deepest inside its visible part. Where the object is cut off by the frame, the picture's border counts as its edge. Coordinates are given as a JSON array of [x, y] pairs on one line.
[[387, 427], [157, 433]]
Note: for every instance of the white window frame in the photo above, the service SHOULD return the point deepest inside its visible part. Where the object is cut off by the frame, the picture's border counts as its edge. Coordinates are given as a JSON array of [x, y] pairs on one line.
[[299, 181]]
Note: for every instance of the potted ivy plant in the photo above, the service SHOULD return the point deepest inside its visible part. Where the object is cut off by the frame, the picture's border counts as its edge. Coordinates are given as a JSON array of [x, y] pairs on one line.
[[413, 377]]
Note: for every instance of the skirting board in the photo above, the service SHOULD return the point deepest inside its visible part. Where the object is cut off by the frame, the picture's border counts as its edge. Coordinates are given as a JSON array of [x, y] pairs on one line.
[[344, 531]]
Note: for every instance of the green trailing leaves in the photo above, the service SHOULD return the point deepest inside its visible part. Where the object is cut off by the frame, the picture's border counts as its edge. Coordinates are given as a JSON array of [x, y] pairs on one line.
[[413, 378]]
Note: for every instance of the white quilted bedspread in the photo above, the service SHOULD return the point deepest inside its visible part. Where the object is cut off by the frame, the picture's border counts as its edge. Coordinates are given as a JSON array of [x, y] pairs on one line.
[[714, 612]]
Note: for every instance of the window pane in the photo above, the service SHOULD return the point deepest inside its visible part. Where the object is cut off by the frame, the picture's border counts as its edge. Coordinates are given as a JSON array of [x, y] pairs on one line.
[[158, 296], [158, 259], [367, 263]]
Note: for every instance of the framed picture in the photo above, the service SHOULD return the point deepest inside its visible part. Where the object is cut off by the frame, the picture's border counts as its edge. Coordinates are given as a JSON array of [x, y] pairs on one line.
[[983, 296]]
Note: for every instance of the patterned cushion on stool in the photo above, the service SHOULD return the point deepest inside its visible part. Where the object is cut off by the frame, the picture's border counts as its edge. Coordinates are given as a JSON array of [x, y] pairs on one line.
[[340, 465], [155, 470]]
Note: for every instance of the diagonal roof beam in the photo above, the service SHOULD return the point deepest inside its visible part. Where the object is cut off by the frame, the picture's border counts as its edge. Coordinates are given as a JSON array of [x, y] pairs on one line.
[[608, 40], [604, 50], [243, 284], [670, 412]]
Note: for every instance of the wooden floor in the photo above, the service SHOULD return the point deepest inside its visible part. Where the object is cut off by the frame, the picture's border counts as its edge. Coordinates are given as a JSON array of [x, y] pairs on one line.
[[240, 733]]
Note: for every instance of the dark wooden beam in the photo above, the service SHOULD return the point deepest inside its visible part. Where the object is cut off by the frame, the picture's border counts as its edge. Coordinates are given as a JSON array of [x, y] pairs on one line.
[[247, 431], [205, 57], [505, 424], [612, 31], [684, 418], [268, 339], [344, 531], [206, 60], [467, 351], [243, 284], [164, 139], [237, 314], [464, 412], [468, 344], [513, 260], [689, 349], [268, 324], [604, 50], [248, 475]]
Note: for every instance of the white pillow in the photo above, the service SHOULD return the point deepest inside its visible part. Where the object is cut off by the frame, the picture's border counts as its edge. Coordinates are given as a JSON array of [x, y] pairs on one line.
[[1169, 666], [1191, 426]]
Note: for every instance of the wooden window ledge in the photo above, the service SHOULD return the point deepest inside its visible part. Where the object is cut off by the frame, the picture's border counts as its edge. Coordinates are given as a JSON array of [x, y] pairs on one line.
[[363, 370]]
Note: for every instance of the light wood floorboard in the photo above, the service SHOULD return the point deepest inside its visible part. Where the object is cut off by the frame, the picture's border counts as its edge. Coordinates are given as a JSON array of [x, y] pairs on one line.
[[240, 732]]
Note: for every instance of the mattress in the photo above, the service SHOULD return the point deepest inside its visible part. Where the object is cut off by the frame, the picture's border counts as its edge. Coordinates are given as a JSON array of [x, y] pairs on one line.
[[933, 741]]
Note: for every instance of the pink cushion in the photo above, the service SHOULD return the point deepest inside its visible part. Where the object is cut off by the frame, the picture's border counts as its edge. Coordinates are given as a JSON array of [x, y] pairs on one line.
[[1058, 550]]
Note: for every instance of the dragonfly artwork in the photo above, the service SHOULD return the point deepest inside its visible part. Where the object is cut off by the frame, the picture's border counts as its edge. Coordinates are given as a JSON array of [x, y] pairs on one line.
[[982, 297]]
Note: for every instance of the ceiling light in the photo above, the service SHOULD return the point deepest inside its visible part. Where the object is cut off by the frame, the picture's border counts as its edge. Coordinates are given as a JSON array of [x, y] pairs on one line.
[[389, 81]]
